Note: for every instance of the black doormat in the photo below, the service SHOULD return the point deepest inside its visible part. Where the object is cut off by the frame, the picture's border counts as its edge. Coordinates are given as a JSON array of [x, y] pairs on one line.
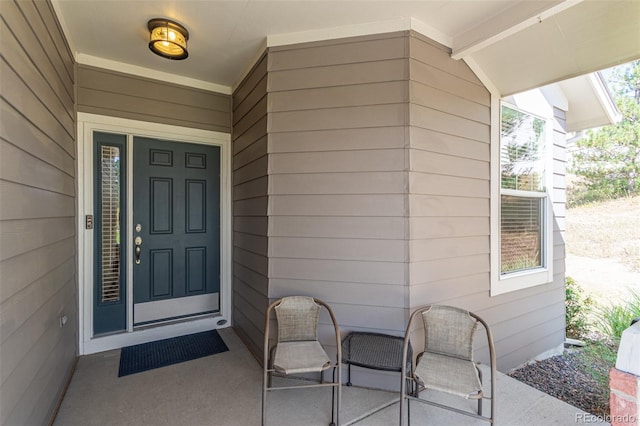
[[147, 356]]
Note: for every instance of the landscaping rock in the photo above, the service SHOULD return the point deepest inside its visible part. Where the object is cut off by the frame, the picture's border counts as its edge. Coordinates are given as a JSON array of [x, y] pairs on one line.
[[565, 377]]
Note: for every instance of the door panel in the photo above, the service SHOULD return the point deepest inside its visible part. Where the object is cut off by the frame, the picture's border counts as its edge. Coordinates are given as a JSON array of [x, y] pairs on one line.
[[161, 205], [176, 189], [161, 269], [196, 193], [196, 269]]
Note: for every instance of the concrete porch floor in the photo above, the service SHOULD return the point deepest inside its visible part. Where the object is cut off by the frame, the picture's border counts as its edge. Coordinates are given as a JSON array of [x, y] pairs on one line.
[[225, 389]]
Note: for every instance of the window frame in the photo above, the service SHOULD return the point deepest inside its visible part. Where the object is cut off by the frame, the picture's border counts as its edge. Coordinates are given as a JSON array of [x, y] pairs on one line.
[[518, 280]]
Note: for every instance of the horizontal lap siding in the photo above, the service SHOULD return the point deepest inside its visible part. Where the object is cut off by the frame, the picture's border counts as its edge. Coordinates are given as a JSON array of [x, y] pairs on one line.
[[37, 212], [449, 197], [449, 191], [559, 180], [371, 159], [115, 94], [559, 197], [250, 184], [338, 115]]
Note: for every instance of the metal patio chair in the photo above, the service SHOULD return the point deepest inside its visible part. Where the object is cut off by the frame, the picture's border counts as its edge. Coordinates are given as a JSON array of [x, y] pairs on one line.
[[298, 351], [447, 364]]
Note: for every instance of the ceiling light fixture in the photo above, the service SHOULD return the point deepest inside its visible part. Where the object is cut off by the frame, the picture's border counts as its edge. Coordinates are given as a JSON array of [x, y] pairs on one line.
[[168, 38]]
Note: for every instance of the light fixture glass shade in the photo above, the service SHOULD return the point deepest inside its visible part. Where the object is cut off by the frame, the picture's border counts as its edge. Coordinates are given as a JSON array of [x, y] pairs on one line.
[[168, 39]]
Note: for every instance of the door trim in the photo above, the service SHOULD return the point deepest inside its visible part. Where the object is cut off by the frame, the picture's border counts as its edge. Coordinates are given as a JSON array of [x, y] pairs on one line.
[[87, 124]]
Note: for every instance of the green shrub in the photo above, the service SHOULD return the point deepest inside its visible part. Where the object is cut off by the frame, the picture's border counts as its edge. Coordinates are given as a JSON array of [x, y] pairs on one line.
[[576, 307], [614, 319]]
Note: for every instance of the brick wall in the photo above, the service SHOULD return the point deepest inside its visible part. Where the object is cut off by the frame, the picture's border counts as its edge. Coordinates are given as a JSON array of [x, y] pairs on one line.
[[625, 398]]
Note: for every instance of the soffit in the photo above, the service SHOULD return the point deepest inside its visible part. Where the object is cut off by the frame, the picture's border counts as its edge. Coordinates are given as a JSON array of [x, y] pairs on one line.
[[503, 38]]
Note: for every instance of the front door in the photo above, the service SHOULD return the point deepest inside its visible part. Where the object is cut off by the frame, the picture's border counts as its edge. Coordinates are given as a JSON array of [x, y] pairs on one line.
[[138, 182], [176, 230]]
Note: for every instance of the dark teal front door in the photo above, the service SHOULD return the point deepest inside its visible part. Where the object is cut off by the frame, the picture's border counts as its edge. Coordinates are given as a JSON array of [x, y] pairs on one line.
[[176, 230]]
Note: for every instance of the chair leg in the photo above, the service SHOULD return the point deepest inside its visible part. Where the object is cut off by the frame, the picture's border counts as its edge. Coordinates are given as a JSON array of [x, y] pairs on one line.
[[479, 400], [264, 403], [409, 404], [333, 399], [406, 390]]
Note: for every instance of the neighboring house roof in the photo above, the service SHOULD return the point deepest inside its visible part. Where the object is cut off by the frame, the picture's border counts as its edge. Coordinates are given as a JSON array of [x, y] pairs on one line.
[[515, 45], [590, 103], [586, 99]]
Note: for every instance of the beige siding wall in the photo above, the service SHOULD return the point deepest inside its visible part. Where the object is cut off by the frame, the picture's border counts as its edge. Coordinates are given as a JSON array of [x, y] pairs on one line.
[[37, 213], [449, 197], [338, 115], [250, 181], [378, 191], [115, 94], [448, 178]]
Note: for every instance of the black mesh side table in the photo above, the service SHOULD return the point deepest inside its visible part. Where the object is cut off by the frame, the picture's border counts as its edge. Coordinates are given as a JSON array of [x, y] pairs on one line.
[[373, 350]]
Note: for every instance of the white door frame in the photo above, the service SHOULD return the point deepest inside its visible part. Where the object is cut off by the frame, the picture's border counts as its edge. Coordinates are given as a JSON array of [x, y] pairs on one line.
[[87, 124]]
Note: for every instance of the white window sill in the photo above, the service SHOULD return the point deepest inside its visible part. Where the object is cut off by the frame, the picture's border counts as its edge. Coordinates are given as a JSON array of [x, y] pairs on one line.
[[520, 280]]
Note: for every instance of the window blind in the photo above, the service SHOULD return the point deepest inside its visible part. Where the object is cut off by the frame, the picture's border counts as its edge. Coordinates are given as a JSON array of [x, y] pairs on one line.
[[110, 215], [521, 230]]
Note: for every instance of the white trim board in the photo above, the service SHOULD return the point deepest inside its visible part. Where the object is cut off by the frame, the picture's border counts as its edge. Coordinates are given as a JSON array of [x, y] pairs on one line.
[[380, 27], [87, 124]]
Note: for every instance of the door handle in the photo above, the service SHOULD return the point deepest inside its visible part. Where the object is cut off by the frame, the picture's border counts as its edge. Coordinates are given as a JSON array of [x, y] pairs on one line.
[[138, 250]]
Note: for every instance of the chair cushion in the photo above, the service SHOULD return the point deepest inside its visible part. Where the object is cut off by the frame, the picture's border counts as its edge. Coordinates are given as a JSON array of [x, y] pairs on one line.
[[300, 357], [448, 374]]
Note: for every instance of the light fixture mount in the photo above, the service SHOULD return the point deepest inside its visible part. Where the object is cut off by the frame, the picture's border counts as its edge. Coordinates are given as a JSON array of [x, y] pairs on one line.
[[168, 38]]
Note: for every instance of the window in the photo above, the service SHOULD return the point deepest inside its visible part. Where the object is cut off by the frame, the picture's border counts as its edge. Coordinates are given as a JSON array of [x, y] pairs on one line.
[[525, 209], [110, 188]]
